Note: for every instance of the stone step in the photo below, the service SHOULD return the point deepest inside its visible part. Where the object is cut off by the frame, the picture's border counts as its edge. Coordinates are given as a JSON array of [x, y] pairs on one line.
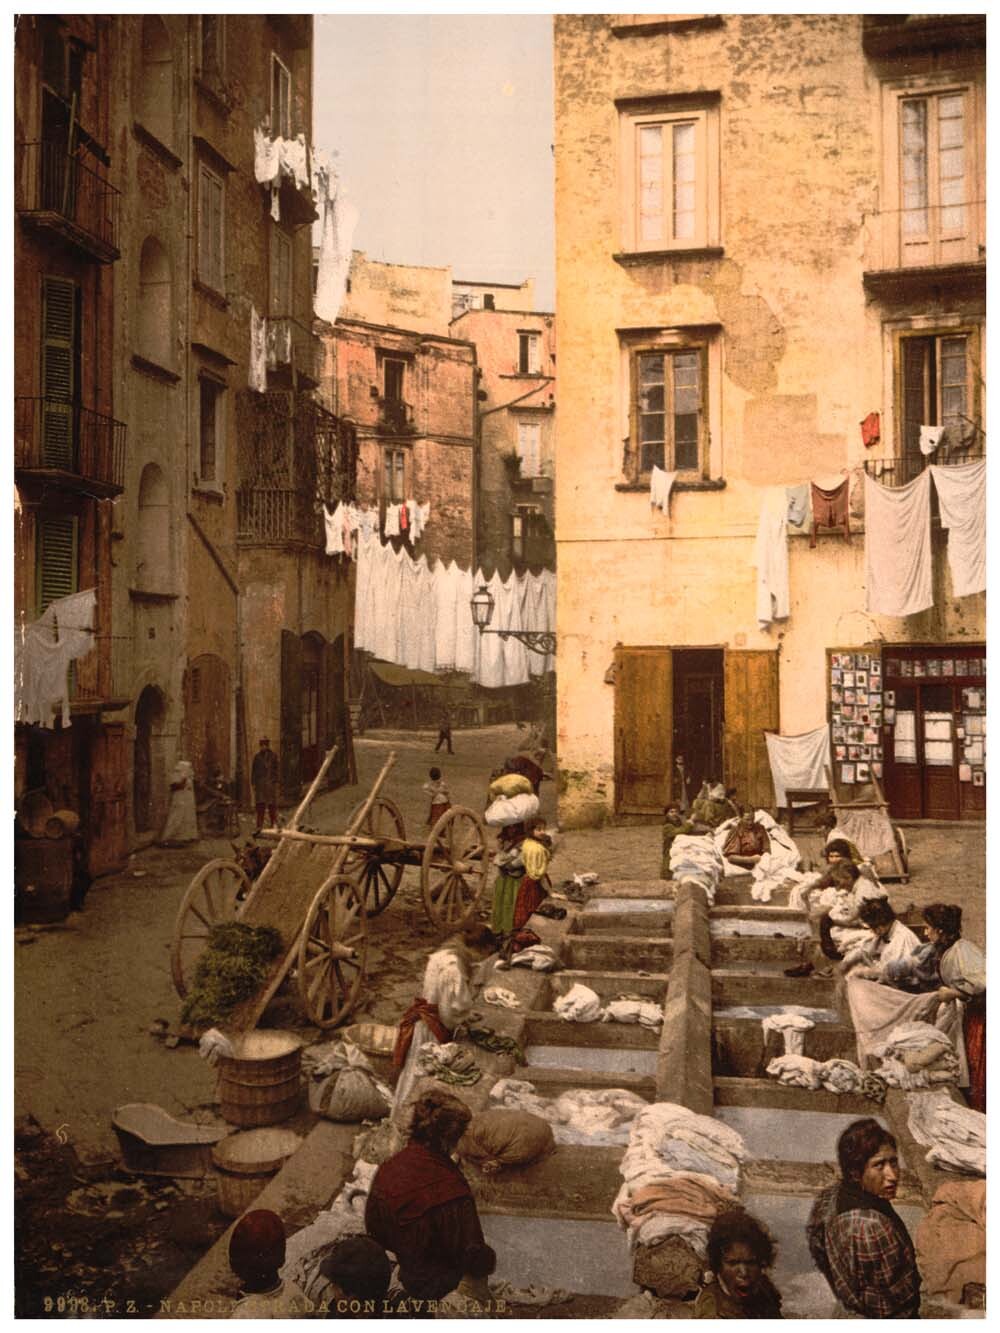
[[738, 1047], [599, 951], [609, 984], [755, 912], [656, 921], [543, 1028], [631, 888], [575, 1180], [550, 1081], [730, 951], [738, 986], [762, 1092]]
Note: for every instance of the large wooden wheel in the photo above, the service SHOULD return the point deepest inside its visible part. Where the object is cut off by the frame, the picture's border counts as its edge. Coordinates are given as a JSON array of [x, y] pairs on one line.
[[333, 948], [379, 880], [211, 898], [454, 868]]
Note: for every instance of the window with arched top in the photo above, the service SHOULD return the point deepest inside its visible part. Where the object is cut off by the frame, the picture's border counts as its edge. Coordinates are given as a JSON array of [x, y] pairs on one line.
[[152, 552], [156, 86], [153, 334]]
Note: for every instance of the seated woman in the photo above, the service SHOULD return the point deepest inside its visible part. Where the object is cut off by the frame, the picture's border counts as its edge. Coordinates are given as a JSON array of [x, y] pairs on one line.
[[856, 1238], [747, 842], [954, 970], [421, 1209], [740, 1250], [711, 808], [674, 824], [889, 942], [876, 1005], [834, 833]]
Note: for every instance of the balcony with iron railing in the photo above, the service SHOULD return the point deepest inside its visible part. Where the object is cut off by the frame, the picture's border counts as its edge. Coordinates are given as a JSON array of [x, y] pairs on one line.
[[906, 249], [901, 469], [395, 416], [270, 515], [292, 349], [58, 193], [69, 445]]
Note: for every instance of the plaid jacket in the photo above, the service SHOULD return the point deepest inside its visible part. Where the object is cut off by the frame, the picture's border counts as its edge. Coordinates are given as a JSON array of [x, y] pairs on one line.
[[865, 1253]]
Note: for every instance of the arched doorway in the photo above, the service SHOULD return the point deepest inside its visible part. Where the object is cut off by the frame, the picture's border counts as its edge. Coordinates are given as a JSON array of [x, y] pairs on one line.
[[149, 712], [207, 711]]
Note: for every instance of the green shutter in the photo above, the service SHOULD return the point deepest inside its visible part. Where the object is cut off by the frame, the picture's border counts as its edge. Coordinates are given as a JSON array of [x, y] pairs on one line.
[[59, 338], [55, 559]]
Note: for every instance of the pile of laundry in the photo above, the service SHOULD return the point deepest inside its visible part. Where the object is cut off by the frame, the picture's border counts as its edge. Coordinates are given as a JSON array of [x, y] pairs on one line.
[[449, 1062], [580, 1004], [792, 1028], [43, 650], [917, 1055], [776, 869], [306, 1249], [580, 1115], [679, 1172], [839, 1076], [501, 997], [697, 859], [954, 1135], [274, 158], [536, 957], [406, 520]]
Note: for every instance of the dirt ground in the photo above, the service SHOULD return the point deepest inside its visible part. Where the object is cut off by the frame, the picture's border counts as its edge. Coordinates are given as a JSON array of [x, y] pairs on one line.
[[88, 989]]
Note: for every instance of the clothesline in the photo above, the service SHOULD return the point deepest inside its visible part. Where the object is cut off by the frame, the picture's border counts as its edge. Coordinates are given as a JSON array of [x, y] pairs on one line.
[[419, 616], [343, 523]]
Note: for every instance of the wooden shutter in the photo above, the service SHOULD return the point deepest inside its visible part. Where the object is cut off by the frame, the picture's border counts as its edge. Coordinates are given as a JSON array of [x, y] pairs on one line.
[[59, 352], [55, 559], [281, 273], [210, 250], [751, 707], [291, 715], [333, 685], [643, 729]]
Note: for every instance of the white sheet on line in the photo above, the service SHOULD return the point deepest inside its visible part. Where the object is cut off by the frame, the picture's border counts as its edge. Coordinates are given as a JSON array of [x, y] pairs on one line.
[[771, 557], [961, 492], [898, 547], [798, 761]]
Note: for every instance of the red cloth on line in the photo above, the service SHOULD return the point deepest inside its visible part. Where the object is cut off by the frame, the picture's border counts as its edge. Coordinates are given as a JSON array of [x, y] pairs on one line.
[[871, 430], [530, 895], [420, 1011], [974, 1027], [829, 509], [404, 518]]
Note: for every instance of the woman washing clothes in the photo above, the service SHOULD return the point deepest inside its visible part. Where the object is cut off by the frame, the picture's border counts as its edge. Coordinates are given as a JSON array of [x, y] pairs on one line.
[[445, 1000], [953, 971]]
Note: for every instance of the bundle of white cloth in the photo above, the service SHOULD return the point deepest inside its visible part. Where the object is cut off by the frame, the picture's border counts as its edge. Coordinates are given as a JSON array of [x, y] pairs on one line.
[[917, 1055], [579, 1115], [799, 1071], [507, 810], [580, 1004], [954, 1135], [305, 1250], [629, 1009], [793, 1028], [696, 859], [537, 957]]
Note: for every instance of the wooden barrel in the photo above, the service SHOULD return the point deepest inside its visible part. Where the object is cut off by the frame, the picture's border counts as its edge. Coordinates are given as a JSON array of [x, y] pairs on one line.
[[244, 1163], [261, 1083], [63, 824]]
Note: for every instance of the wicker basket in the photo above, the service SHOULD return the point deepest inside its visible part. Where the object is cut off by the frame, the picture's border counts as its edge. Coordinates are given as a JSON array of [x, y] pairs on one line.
[[261, 1083], [245, 1162]]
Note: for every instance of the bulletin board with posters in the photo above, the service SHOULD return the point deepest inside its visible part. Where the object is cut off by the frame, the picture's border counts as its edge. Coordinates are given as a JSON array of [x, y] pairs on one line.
[[934, 730], [855, 711]]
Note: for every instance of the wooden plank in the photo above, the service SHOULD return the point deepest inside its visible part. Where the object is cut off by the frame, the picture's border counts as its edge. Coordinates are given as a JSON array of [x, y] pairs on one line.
[[643, 729], [313, 789], [751, 708]]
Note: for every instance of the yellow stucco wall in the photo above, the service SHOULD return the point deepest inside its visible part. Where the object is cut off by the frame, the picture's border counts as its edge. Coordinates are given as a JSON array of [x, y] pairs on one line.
[[800, 354]]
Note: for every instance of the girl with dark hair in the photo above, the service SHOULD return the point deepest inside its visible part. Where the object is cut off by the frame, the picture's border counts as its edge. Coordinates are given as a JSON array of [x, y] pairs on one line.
[[740, 1250], [420, 1206], [890, 941], [444, 1001], [954, 970], [256, 1254], [856, 1238]]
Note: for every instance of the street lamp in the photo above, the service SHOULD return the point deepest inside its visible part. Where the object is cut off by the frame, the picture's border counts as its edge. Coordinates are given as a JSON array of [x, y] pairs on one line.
[[538, 640]]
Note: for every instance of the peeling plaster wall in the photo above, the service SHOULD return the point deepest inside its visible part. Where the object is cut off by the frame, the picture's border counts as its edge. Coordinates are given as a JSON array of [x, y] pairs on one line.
[[802, 359], [405, 296]]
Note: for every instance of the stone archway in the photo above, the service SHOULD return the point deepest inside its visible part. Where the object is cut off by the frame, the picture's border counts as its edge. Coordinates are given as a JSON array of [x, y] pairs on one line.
[[150, 712]]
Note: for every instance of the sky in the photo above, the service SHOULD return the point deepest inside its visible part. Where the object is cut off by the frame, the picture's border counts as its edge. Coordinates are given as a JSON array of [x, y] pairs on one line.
[[442, 126]]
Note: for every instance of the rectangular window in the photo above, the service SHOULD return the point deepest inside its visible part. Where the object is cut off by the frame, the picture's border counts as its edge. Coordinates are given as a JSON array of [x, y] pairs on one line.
[[281, 99], [528, 348], [56, 546], [393, 379], [210, 228], [394, 475], [281, 272], [529, 447], [530, 537], [669, 173], [937, 387], [668, 410], [210, 430], [60, 376], [212, 45]]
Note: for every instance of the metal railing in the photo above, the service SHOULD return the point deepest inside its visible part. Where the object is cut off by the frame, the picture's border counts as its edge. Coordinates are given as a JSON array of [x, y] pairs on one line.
[[290, 343], [51, 180], [904, 468], [54, 434], [277, 514], [395, 415]]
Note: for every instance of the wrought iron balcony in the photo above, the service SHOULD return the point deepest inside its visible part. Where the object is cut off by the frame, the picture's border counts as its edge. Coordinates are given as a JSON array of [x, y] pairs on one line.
[[267, 514], [396, 416], [904, 468], [292, 348], [57, 192], [71, 446]]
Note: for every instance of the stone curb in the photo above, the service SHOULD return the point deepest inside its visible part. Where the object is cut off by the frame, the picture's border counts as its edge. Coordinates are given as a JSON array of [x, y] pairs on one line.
[[684, 1067]]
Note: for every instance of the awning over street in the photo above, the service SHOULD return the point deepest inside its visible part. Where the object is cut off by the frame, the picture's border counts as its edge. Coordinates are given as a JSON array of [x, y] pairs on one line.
[[391, 674]]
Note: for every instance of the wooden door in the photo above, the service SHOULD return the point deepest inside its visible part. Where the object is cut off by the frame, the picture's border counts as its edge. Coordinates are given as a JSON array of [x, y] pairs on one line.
[[207, 709], [751, 708], [291, 715], [643, 729], [698, 727], [334, 695], [108, 807], [938, 751]]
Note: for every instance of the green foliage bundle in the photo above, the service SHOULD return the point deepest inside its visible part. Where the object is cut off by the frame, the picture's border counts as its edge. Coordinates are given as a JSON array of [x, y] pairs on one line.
[[231, 970]]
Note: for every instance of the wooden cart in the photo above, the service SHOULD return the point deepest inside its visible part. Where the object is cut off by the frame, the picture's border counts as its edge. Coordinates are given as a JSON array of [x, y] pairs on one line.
[[864, 817], [319, 891]]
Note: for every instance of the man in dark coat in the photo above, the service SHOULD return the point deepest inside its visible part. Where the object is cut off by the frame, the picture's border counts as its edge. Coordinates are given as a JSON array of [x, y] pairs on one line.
[[264, 780]]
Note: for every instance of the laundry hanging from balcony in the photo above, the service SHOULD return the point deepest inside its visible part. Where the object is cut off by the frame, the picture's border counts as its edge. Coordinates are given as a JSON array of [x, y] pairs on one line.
[[43, 651], [338, 217], [771, 557], [898, 547], [418, 615], [961, 492], [277, 157], [660, 485]]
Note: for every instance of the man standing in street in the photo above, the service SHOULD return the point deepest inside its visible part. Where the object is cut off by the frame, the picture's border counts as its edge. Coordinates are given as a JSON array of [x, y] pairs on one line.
[[264, 780], [444, 730]]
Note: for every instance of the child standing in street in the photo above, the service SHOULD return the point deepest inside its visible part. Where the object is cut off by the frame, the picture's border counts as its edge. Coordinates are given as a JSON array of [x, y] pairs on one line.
[[437, 790]]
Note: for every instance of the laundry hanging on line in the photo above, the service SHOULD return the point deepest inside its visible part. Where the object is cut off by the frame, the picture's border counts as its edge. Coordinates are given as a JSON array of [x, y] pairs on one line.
[[830, 506], [771, 557], [660, 485], [961, 492], [898, 547]]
